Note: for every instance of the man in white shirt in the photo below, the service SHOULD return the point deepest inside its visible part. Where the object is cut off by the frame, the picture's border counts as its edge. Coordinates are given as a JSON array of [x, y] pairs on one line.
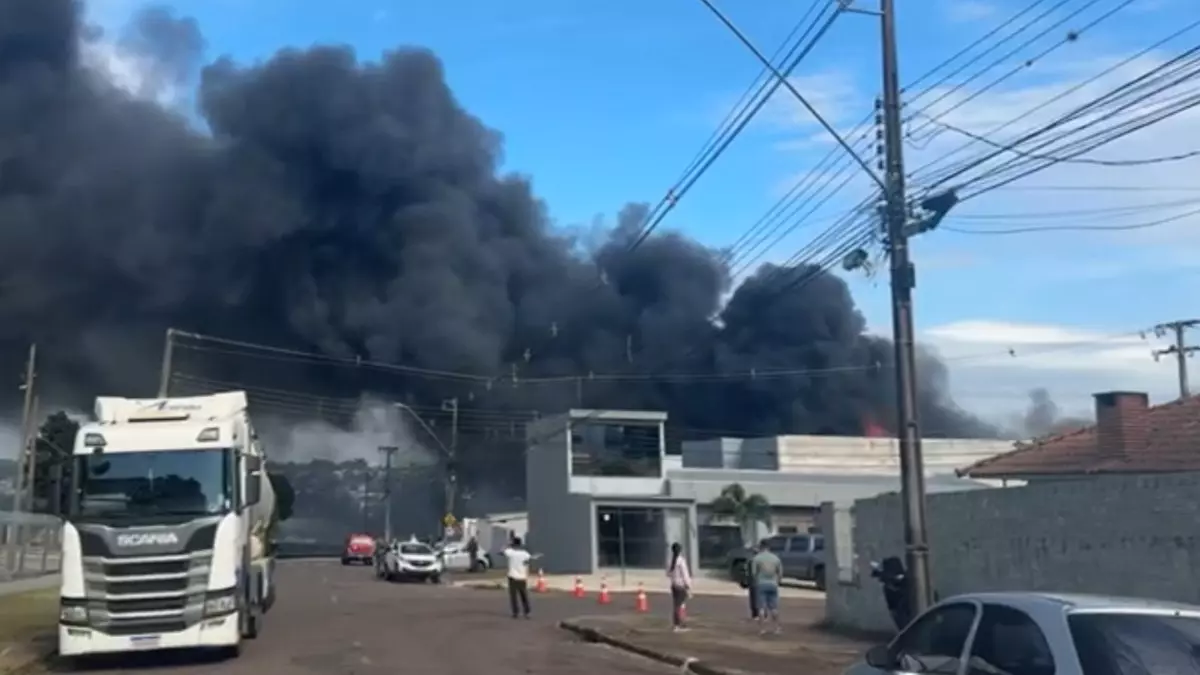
[[518, 577]]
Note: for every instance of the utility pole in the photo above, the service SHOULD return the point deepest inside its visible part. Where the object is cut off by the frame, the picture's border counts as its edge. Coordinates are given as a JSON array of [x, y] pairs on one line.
[[24, 459], [452, 460], [1181, 350], [168, 357], [13, 534], [903, 279], [388, 451], [899, 225], [366, 496], [30, 444]]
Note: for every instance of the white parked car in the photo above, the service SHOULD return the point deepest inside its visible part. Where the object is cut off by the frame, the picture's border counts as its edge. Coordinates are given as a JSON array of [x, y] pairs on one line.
[[456, 558], [1043, 634], [410, 560]]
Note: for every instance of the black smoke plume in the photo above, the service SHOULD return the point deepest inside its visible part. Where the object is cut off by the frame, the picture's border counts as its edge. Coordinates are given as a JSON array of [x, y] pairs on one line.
[[321, 202]]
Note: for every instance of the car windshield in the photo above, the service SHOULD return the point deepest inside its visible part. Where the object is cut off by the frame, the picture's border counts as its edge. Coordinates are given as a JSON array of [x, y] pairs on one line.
[[133, 485], [415, 549], [1136, 644]]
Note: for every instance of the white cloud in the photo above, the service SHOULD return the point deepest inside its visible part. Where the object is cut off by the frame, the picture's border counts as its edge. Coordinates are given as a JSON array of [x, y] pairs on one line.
[[994, 364], [835, 94], [134, 74], [968, 11]]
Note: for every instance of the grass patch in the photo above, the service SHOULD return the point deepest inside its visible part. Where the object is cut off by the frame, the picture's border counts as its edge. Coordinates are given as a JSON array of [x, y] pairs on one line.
[[26, 615], [28, 627]]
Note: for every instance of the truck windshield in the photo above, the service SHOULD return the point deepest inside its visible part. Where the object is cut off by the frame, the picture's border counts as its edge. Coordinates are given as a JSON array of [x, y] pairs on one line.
[[146, 484]]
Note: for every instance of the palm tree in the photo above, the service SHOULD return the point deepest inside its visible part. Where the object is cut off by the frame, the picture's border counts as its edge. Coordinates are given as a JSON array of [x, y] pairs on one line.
[[747, 510]]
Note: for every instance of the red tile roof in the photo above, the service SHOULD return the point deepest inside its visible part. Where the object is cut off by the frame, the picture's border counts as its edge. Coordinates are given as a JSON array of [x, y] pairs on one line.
[[1174, 445]]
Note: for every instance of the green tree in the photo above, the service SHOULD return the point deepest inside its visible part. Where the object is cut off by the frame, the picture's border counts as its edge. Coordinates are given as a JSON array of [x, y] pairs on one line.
[[52, 472], [747, 510]]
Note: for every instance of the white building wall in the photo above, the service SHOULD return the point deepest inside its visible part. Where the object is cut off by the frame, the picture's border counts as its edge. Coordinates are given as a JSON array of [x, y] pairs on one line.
[[843, 455], [559, 522]]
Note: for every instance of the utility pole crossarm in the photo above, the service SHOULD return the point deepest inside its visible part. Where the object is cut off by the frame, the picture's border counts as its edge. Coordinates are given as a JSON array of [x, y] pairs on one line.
[[1181, 350]]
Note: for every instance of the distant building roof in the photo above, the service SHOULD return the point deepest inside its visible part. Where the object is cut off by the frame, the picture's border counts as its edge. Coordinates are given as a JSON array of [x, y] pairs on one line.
[[1129, 437]]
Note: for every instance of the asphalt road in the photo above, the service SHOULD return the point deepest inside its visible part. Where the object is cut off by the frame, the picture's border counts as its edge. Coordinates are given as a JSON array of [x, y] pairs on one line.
[[334, 620]]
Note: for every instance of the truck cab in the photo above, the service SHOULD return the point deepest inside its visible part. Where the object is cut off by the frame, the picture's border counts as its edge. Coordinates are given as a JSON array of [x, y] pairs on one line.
[[164, 545]]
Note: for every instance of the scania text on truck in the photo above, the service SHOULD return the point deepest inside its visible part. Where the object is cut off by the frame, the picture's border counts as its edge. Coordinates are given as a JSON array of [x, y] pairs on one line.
[[165, 543]]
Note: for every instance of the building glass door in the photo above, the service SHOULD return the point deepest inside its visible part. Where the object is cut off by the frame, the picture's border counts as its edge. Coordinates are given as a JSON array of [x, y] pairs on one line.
[[630, 537]]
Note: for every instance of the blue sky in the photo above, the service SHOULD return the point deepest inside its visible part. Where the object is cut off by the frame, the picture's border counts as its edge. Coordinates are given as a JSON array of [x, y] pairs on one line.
[[606, 102]]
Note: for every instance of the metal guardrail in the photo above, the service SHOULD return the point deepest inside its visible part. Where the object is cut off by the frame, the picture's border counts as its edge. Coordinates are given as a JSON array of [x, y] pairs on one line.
[[29, 545]]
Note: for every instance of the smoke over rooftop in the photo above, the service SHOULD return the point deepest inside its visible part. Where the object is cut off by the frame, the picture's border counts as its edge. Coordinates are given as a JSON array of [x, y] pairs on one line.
[[355, 208]]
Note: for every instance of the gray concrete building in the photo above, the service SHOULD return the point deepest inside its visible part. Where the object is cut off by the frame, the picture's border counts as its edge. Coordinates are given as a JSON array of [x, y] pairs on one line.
[[602, 492]]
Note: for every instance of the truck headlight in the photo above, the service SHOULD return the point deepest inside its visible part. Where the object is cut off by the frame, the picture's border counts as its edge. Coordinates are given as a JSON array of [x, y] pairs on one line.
[[220, 603], [73, 613]]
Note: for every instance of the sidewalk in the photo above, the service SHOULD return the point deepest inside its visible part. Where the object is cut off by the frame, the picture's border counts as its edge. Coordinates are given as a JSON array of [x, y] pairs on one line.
[[720, 645], [655, 581]]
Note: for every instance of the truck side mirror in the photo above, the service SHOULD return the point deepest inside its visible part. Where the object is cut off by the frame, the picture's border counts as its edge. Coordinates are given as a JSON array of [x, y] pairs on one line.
[[254, 478]]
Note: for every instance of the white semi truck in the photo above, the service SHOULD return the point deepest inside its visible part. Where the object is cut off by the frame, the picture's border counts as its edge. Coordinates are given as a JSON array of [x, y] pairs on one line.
[[165, 545]]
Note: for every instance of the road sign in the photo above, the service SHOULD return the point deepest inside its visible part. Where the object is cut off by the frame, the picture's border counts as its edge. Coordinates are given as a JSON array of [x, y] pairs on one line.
[[449, 520]]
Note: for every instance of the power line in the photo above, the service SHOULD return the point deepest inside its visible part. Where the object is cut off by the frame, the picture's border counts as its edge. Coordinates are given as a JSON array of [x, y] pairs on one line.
[[1101, 211], [1079, 228], [965, 50], [1130, 59], [1070, 37], [1093, 140], [1162, 159], [781, 78], [798, 54], [754, 91]]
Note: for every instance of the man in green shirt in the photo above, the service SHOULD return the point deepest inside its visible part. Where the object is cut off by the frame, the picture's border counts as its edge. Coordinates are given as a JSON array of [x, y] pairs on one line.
[[766, 572]]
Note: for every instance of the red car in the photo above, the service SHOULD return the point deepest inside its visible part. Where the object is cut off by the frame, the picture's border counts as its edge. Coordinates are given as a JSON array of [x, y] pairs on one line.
[[360, 548]]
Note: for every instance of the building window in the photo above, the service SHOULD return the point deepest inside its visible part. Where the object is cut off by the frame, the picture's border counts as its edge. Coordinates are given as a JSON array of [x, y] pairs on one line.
[[788, 529], [604, 449]]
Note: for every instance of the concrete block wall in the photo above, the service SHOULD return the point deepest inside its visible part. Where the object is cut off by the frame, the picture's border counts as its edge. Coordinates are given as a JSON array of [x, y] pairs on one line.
[[1114, 535]]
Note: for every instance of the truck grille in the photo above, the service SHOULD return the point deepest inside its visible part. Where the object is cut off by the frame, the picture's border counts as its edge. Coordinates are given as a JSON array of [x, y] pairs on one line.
[[138, 569], [159, 594]]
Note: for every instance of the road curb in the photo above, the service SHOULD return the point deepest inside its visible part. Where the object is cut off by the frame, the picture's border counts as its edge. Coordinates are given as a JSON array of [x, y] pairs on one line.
[[480, 585], [686, 664]]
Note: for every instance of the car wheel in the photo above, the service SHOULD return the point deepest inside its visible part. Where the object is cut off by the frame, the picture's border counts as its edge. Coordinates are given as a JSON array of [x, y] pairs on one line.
[[345, 561], [435, 579], [819, 578]]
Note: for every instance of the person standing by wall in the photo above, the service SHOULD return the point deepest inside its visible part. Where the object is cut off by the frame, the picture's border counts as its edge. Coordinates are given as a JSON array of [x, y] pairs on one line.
[[472, 554], [747, 582], [681, 586], [767, 571], [518, 577]]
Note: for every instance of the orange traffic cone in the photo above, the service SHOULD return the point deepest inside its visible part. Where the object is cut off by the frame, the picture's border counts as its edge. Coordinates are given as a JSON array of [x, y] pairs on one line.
[[540, 587], [604, 598], [643, 605], [578, 587]]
